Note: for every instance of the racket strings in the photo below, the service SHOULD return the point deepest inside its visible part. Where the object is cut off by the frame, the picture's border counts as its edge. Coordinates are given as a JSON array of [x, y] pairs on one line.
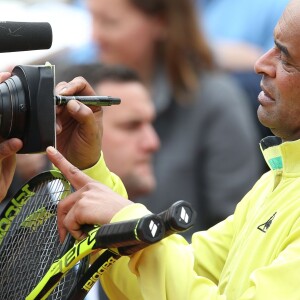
[[31, 244]]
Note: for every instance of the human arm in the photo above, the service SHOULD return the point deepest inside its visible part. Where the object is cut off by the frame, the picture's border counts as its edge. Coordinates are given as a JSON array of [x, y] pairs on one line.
[[93, 201], [172, 270]]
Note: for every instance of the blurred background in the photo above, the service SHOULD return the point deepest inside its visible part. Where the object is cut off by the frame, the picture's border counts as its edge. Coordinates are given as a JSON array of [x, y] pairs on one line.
[[69, 20]]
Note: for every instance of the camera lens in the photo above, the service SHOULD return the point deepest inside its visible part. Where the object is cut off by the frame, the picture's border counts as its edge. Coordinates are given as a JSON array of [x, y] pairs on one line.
[[12, 108], [27, 109]]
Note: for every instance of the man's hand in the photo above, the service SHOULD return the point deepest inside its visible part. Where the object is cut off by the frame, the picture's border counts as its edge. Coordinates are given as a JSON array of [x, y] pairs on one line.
[[78, 127], [8, 151], [92, 203]]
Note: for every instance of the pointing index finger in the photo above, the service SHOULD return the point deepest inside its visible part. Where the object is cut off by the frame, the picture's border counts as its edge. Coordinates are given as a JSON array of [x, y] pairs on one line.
[[76, 177]]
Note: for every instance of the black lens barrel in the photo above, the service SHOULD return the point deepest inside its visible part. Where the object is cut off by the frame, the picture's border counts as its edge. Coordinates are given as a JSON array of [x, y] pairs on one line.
[[13, 108]]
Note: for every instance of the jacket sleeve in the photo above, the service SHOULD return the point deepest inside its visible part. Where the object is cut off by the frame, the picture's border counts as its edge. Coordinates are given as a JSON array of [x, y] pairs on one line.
[[170, 269], [101, 173]]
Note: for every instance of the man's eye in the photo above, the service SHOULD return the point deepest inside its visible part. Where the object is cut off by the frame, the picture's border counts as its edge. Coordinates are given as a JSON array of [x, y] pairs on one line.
[[283, 59], [132, 126]]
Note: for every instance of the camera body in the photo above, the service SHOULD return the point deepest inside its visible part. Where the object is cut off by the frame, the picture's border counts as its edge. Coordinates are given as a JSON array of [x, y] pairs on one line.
[[27, 109]]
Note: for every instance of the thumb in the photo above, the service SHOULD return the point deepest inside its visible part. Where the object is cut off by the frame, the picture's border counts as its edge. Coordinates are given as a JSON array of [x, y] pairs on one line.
[[76, 177], [4, 76]]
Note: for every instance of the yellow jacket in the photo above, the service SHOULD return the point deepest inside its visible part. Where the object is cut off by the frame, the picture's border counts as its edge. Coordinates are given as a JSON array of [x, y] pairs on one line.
[[253, 254]]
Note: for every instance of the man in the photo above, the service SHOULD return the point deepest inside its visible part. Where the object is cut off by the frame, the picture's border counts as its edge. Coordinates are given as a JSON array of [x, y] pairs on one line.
[[253, 254]]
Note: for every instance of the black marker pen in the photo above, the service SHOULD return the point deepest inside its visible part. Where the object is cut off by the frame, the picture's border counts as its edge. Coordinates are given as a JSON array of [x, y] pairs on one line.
[[88, 100]]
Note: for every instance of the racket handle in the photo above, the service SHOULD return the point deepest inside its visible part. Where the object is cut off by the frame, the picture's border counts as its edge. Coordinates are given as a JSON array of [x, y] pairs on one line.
[[148, 229], [179, 217]]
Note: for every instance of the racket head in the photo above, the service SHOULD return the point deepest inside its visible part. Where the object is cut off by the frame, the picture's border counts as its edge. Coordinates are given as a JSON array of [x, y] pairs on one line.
[[29, 240]]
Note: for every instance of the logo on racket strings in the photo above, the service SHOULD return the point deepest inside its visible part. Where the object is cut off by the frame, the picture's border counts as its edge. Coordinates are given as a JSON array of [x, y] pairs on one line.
[[37, 219]]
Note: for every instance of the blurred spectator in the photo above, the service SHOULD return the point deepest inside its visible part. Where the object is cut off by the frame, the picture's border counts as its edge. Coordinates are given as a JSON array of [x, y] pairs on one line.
[[209, 154], [69, 21]]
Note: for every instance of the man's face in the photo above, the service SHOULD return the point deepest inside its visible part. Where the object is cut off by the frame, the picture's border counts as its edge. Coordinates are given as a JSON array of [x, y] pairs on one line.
[[129, 139], [280, 97]]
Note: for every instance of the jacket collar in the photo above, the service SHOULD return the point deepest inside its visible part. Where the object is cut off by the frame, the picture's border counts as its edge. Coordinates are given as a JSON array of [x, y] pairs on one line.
[[281, 156]]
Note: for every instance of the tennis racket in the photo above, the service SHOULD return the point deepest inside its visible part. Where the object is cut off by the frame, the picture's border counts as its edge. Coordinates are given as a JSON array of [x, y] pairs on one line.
[[177, 218], [29, 240]]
